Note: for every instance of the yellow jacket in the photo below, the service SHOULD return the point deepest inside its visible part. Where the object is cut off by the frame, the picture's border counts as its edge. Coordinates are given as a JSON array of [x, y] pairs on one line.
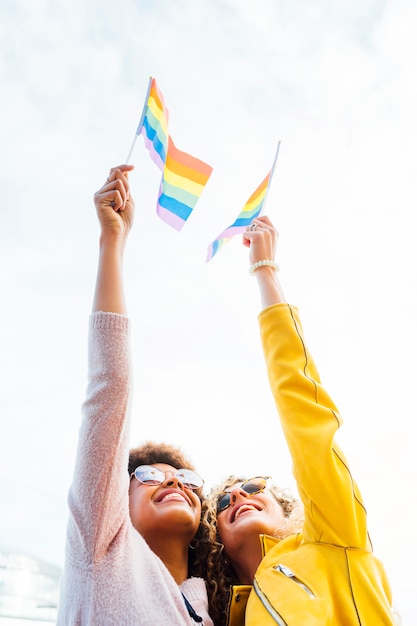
[[327, 575]]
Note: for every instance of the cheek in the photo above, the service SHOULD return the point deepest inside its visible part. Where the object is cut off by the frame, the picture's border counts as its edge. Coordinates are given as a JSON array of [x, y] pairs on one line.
[[134, 506], [222, 529], [140, 507], [197, 508]]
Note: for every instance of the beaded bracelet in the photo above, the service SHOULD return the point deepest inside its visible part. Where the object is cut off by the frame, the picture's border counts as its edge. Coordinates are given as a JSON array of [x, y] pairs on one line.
[[258, 264]]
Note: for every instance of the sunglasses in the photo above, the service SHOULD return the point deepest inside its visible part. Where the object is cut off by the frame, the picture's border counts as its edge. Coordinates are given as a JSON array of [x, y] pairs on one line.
[[250, 486], [149, 475]]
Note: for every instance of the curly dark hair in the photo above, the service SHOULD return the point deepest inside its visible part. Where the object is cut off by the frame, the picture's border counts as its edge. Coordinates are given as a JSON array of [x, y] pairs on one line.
[[152, 452], [219, 572]]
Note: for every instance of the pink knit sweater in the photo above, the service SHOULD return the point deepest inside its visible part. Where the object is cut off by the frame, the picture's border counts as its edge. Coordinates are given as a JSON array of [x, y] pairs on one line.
[[111, 577]]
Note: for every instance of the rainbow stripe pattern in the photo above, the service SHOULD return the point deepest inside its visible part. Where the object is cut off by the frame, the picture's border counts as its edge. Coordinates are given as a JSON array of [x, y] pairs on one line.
[[253, 208], [183, 176]]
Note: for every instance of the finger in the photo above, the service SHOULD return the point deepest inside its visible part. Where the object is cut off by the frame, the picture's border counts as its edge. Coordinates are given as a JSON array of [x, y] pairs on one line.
[[111, 198], [261, 239], [255, 238], [125, 169], [246, 241], [118, 202], [265, 219], [255, 226], [116, 192], [120, 184], [122, 176], [121, 172], [250, 235], [264, 223]]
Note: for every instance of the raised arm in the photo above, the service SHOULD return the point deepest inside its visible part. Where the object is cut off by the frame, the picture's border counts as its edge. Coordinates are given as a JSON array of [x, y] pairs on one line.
[[98, 494], [115, 211], [262, 240], [334, 512]]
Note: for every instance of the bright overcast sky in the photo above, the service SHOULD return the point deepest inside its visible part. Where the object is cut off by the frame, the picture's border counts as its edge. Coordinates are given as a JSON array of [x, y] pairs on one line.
[[336, 82]]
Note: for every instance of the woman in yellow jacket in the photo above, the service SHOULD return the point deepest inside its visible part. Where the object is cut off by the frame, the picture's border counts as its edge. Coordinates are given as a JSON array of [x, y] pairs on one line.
[[324, 571]]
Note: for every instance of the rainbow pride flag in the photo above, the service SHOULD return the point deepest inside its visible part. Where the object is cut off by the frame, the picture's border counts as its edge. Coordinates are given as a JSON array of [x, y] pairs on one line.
[[183, 176], [252, 209]]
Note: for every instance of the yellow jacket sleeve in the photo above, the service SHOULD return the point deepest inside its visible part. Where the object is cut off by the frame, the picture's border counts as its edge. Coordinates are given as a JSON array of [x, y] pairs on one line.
[[334, 512]]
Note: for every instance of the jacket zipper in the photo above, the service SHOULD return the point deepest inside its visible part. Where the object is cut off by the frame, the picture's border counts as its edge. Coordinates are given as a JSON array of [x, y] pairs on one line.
[[290, 574], [268, 606]]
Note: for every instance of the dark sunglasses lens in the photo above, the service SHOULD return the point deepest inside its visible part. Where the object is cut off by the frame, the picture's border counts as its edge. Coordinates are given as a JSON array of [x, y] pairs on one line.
[[254, 485], [223, 501]]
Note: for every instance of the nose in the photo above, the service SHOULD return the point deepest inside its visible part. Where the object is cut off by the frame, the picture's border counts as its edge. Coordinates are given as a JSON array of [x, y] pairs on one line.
[[173, 481], [237, 492]]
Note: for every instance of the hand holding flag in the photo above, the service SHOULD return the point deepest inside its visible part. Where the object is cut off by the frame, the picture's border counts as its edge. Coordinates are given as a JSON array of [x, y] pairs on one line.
[[252, 209]]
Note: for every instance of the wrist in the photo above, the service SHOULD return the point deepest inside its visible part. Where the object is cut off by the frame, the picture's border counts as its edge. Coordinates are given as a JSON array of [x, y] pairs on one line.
[[113, 237], [261, 266], [112, 245]]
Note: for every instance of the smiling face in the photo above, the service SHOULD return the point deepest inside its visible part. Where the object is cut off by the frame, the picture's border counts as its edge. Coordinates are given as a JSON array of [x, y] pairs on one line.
[[166, 509], [247, 517]]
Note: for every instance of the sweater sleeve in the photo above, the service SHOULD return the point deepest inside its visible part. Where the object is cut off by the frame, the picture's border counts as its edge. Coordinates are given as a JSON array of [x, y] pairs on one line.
[[334, 512], [98, 496]]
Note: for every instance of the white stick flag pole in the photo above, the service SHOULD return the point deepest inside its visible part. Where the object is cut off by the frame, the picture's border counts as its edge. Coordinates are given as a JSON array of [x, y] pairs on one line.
[[139, 128], [272, 172]]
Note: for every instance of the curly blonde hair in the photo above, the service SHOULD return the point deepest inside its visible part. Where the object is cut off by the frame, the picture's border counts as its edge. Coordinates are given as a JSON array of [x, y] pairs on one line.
[[219, 572]]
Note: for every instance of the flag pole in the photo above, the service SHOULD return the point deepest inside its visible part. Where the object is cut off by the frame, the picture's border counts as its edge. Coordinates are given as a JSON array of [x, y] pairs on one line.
[[272, 171], [142, 117]]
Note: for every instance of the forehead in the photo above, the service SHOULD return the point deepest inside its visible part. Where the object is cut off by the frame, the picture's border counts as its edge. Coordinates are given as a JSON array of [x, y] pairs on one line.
[[164, 467], [235, 485]]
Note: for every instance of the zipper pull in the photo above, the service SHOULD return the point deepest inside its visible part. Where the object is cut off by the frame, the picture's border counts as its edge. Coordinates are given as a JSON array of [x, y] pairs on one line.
[[285, 570]]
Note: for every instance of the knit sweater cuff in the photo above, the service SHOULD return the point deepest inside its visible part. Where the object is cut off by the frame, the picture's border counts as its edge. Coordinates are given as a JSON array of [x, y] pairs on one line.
[[194, 589], [113, 321]]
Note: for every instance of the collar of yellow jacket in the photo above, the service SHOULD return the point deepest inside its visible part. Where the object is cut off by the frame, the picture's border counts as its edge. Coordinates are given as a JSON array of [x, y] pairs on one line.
[[288, 544], [239, 594]]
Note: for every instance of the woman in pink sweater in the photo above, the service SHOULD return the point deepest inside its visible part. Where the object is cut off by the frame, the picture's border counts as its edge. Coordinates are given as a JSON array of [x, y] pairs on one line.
[[128, 536]]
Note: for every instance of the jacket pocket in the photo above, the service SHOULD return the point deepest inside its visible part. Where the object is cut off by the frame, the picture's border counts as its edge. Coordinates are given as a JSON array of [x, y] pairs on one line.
[[283, 597], [290, 574], [268, 606]]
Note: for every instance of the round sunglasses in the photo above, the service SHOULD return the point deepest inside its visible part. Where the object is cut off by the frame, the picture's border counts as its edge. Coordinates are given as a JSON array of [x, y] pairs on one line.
[[149, 475], [250, 486]]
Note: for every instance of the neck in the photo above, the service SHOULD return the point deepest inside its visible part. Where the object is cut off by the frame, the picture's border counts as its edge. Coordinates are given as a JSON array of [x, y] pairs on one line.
[[174, 556], [246, 561]]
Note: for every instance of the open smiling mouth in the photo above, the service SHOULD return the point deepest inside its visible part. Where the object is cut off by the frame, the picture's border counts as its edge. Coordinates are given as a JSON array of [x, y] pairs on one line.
[[174, 496], [244, 508]]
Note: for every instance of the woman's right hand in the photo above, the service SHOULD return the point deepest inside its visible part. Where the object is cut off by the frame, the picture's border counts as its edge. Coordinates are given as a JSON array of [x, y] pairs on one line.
[[114, 205]]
